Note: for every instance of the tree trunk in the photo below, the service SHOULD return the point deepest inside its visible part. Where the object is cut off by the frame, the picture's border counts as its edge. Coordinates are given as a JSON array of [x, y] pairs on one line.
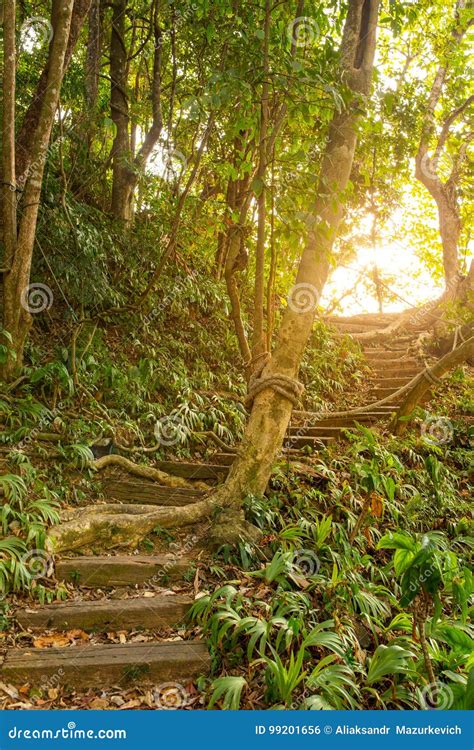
[[127, 166], [16, 314], [444, 192], [271, 411], [8, 136], [94, 49], [121, 152], [258, 338], [233, 253], [26, 136]]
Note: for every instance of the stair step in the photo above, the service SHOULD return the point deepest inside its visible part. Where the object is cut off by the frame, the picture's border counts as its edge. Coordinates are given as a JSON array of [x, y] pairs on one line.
[[226, 459], [377, 393], [121, 570], [392, 359], [192, 471], [108, 614], [378, 320], [315, 431], [309, 420], [364, 418], [149, 493], [395, 372], [382, 366], [101, 666], [384, 318], [398, 357], [394, 383], [357, 327], [301, 441]]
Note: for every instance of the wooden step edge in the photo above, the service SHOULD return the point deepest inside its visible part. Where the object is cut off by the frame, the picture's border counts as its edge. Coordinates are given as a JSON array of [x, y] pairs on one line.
[[105, 665], [148, 493], [365, 417], [192, 471], [332, 431], [121, 570], [305, 435], [108, 614], [387, 379]]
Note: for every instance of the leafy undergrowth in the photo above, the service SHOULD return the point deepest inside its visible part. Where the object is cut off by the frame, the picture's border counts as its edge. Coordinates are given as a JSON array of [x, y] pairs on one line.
[[359, 595], [362, 596], [135, 389]]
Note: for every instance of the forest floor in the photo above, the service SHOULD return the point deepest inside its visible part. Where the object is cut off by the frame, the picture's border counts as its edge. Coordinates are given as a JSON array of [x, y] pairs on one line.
[[316, 590]]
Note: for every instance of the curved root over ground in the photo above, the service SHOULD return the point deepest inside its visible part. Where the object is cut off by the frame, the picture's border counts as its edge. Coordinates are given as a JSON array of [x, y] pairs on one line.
[[116, 525], [146, 472]]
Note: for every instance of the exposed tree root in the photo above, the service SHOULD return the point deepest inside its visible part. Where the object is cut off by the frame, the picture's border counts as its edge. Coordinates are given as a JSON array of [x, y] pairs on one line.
[[368, 407], [215, 439], [432, 375], [147, 472], [420, 318], [115, 525]]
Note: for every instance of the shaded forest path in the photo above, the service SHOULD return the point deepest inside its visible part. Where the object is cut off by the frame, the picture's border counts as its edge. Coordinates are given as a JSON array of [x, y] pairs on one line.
[[140, 601]]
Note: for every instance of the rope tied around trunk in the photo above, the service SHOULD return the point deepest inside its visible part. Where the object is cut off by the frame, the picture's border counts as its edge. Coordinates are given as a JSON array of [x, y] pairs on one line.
[[289, 388]]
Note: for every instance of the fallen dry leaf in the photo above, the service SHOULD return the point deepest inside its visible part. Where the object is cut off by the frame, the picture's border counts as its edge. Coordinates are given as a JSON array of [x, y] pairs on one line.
[[117, 700], [47, 641], [78, 633], [130, 704], [99, 704], [11, 691]]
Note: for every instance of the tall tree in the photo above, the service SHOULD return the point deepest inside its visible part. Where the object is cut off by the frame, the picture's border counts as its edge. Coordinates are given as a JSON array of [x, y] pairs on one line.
[[445, 190], [25, 141], [128, 166], [16, 315], [275, 391]]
